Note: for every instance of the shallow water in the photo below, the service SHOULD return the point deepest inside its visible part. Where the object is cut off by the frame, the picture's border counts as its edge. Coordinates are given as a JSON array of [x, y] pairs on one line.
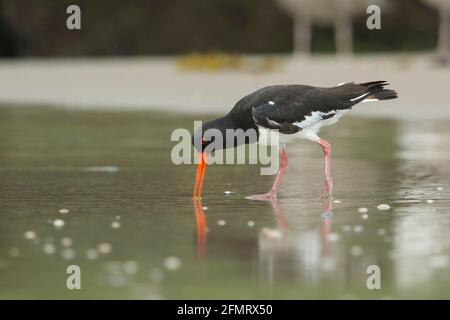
[[135, 232]]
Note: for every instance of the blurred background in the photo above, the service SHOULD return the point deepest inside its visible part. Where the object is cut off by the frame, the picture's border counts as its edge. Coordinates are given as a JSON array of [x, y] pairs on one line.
[[86, 176], [159, 27]]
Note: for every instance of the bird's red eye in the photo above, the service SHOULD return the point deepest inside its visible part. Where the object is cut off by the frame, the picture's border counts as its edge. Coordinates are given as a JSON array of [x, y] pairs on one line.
[[203, 141]]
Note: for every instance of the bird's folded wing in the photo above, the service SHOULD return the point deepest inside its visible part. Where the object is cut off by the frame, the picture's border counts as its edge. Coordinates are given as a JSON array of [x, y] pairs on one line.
[[292, 116]]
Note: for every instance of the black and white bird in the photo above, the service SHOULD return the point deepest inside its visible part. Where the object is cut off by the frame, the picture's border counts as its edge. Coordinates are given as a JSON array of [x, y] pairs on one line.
[[292, 111]]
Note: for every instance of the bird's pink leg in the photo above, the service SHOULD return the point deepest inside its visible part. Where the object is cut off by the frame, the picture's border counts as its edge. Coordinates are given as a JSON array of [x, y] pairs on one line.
[[278, 179], [328, 185]]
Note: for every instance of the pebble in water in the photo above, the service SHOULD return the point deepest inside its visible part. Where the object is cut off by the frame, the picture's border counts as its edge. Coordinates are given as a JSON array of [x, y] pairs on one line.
[[49, 248], [381, 232], [91, 254], [130, 267], [383, 207], [118, 217], [439, 188], [272, 233], [205, 208], [104, 248], [63, 211], [66, 242], [172, 263], [30, 235], [365, 216], [430, 201], [356, 250], [227, 192], [68, 254], [358, 229], [363, 210], [336, 201], [251, 223], [221, 222], [58, 223], [115, 225]]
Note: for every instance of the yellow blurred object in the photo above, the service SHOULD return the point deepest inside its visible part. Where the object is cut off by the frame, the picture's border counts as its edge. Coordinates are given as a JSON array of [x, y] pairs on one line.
[[218, 61], [210, 61]]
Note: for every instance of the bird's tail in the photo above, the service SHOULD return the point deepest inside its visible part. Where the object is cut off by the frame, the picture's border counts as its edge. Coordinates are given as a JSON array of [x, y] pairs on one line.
[[377, 91]]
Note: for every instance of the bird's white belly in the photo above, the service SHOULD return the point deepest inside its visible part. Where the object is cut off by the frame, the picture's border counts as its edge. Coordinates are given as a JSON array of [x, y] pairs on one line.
[[310, 129]]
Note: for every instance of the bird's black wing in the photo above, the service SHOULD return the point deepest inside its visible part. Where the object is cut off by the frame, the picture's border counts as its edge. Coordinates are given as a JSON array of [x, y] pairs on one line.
[[285, 108]]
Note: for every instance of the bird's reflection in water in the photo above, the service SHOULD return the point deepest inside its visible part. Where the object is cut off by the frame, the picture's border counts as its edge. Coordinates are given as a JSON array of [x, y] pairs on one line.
[[201, 228], [281, 253]]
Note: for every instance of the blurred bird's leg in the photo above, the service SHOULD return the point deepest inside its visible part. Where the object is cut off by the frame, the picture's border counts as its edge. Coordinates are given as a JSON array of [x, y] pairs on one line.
[[279, 215], [328, 182], [278, 179], [327, 217]]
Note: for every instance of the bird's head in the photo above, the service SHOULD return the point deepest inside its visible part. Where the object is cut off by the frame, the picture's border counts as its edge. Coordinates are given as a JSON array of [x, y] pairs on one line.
[[209, 132]]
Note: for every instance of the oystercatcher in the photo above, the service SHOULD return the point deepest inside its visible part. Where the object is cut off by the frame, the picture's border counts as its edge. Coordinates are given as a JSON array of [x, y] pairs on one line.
[[292, 111]]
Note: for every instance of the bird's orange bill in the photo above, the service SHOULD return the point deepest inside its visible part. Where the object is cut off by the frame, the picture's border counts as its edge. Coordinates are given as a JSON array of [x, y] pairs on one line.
[[200, 219], [200, 175]]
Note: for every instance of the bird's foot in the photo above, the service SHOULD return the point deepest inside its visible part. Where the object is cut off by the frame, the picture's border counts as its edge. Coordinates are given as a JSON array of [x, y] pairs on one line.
[[327, 188], [264, 196]]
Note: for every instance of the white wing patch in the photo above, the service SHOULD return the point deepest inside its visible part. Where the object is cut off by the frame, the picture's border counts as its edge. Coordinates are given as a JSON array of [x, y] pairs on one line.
[[363, 95], [272, 122], [271, 103], [314, 118], [341, 84]]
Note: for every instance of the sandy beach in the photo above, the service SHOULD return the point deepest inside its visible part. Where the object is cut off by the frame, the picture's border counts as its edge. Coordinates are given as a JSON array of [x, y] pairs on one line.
[[159, 83]]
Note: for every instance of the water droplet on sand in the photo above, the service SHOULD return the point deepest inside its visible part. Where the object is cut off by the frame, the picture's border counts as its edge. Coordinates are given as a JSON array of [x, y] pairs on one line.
[[104, 248], [30, 235], [383, 207], [115, 225], [58, 223], [172, 263]]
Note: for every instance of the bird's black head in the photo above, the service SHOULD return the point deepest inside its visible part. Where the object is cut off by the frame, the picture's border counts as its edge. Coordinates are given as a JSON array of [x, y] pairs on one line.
[[222, 133], [208, 133]]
